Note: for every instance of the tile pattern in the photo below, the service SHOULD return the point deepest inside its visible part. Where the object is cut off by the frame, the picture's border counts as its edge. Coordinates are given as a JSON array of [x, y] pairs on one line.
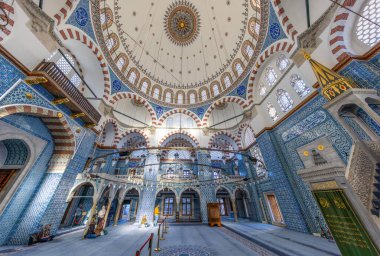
[[17, 152]]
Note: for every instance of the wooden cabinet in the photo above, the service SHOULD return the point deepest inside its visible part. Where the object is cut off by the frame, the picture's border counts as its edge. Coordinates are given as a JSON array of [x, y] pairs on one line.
[[213, 214]]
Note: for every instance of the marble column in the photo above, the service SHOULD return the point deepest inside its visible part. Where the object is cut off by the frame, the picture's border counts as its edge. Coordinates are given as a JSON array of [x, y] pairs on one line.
[[90, 215], [117, 214], [233, 201]]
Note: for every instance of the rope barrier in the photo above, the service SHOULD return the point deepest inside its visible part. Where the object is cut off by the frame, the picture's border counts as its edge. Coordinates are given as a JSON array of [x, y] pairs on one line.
[[150, 240]]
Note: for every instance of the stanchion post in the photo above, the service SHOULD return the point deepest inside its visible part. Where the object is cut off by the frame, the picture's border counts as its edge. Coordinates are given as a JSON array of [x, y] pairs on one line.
[[162, 231], [150, 244], [157, 249], [137, 253]]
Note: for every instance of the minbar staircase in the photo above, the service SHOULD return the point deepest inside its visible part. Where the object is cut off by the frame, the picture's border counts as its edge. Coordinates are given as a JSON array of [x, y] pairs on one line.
[[375, 210]]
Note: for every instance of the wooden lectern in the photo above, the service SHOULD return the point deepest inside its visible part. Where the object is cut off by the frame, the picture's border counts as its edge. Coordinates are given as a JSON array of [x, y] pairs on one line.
[[213, 214]]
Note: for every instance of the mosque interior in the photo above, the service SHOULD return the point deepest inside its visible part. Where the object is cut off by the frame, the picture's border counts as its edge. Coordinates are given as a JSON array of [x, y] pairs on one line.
[[187, 127]]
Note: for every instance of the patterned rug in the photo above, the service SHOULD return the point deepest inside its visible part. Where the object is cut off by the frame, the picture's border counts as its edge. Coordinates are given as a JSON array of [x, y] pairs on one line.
[[186, 250]]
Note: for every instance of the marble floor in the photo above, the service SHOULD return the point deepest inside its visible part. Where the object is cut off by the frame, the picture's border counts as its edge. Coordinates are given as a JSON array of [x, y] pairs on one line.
[[183, 240]]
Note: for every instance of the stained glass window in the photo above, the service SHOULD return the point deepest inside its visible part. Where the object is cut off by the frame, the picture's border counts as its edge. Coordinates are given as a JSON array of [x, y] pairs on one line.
[[227, 81], [260, 168], [180, 99], [120, 63], [249, 51], [132, 77], [282, 62], [272, 111], [284, 100], [249, 136], [270, 76], [192, 98], [144, 87], [215, 89], [239, 68], [110, 43], [262, 90], [156, 93], [204, 95], [366, 31], [168, 97], [299, 85]]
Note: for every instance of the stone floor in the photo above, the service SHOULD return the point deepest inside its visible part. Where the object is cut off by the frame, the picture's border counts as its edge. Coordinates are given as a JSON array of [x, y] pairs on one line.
[[283, 241], [185, 240]]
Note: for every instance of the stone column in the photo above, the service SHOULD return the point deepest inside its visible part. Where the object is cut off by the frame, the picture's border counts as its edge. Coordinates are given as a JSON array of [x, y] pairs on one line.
[[233, 200], [117, 214], [246, 208], [92, 212], [110, 199]]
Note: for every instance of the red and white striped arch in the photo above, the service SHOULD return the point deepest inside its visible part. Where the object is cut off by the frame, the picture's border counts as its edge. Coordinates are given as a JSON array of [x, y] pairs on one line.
[[168, 135], [289, 28], [338, 32], [63, 137], [228, 134], [62, 14], [6, 31], [182, 111], [126, 133], [74, 34], [103, 130], [127, 95], [231, 99]]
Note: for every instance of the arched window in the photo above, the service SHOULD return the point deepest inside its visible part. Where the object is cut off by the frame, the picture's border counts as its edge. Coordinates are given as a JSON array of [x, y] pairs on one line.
[[192, 98], [156, 93], [215, 89], [204, 95], [120, 63], [144, 87], [270, 76], [249, 136], [168, 97], [132, 77], [366, 31], [272, 112], [262, 90], [169, 122], [227, 81], [249, 50], [299, 85], [239, 68], [180, 98], [110, 43], [63, 65], [284, 100], [282, 63]]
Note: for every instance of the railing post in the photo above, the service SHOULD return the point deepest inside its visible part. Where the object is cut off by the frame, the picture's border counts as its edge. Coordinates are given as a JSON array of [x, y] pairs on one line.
[[150, 244], [137, 253], [162, 231], [165, 226], [157, 249]]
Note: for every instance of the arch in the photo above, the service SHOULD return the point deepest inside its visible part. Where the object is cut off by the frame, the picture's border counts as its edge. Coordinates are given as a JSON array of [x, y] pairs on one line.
[[133, 76], [284, 46], [108, 18], [112, 43], [139, 131], [225, 133], [339, 29], [285, 21], [225, 188], [62, 14], [241, 133], [64, 141], [162, 140], [241, 188], [102, 129], [76, 187], [235, 67], [232, 99], [213, 89], [201, 94], [127, 95], [166, 92], [177, 111], [122, 62], [168, 189], [131, 188], [145, 82], [252, 27], [7, 30], [180, 92], [192, 188], [74, 34], [226, 80], [195, 94], [156, 88]]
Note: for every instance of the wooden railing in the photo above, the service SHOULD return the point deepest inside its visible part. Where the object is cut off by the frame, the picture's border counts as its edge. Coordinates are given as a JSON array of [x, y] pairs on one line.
[[60, 80]]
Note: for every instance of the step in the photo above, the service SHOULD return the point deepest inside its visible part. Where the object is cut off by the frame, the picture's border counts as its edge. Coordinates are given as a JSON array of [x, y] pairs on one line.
[[376, 203], [377, 178], [376, 193]]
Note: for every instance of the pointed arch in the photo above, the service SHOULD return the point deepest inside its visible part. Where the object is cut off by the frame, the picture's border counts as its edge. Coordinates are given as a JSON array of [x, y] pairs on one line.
[[177, 111], [162, 140], [204, 91], [103, 130], [225, 133], [128, 95], [139, 131]]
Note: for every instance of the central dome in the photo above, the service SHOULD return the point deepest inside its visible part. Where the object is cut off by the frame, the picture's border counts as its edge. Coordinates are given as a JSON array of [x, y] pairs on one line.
[[182, 23], [180, 45]]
